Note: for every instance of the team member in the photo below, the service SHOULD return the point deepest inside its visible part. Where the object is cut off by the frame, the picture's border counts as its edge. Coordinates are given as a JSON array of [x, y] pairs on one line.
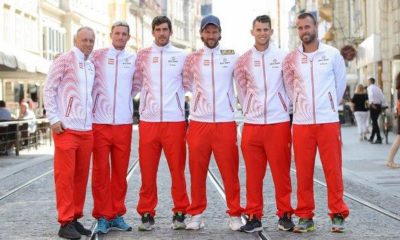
[[68, 102], [212, 129], [315, 79], [112, 129], [266, 132], [162, 123]]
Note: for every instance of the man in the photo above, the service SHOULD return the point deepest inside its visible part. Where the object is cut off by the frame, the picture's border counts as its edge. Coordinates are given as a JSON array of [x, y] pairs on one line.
[[208, 73], [162, 123], [68, 101], [376, 99], [5, 114], [266, 132], [315, 79], [112, 129]]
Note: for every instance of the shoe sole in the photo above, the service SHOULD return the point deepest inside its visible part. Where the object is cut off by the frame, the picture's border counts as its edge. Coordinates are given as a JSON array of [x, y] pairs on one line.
[[68, 237], [201, 226], [253, 230], [297, 230], [121, 229], [337, 230], [143, 229], [282, 228]]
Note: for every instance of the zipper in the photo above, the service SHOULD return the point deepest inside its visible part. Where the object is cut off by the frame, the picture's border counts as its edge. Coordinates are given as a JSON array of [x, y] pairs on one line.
[[144, 104], [230, 104], [179, 103], [86, 95], [282, 101], [71, 99], [196, 102], [115, 86], [265, 90], [248, 104], [312, 86], [295, 103], [95, 103], [213, 83], [161, 87], [331, 100]]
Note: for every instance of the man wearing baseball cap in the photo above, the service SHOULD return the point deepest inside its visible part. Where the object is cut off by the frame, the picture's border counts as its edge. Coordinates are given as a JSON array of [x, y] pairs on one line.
[[208, 74]]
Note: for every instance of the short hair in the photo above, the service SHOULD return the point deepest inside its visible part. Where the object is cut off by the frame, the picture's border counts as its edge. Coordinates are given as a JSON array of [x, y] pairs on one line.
[[262, 19], [84, 28], [2, 103], [306, 15], [120, 24], [160, 20], [372, 80]]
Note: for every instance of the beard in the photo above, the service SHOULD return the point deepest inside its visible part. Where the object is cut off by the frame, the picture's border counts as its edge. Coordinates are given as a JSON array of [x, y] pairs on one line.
[[308, 38], [210, 44]]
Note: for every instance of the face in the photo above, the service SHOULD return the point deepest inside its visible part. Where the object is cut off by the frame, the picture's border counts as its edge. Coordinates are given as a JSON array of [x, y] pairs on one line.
[[307, 30], [119, 37], [262, 33], [85, 41], [161, 34], [210, 36]]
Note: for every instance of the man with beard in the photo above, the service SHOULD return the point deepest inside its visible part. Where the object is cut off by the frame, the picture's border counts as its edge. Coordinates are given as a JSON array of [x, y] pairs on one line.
[[208, 73], [266, 130], [162, 123], [315, 79]]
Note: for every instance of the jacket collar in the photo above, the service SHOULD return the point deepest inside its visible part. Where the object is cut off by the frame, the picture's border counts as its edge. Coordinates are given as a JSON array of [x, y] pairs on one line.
[[321, 48], [115, 51], [212, 50], [265, 52], [79, 54], [162, 48]]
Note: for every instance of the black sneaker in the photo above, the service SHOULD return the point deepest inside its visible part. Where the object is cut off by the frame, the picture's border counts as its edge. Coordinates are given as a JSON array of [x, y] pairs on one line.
[[285, 223], [69, 231], [178, 221], [252, 225], [147, 222], [377, 141], [81, 229]]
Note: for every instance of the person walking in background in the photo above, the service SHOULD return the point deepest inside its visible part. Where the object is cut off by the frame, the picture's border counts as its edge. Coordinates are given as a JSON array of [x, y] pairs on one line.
[[360, 104], [162, 123], [112, 129], [375, 99], [208, 73], [396, 142], [266, 134], [315, 80], [68, 101]]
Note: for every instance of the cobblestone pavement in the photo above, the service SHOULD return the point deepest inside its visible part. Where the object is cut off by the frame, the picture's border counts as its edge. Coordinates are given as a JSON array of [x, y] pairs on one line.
[[30, 213]]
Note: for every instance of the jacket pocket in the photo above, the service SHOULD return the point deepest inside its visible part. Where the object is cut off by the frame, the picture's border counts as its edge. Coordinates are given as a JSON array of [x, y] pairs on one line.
[[282, 101], [95, 103], [331, 101], [144, 103], [248, 104], [196, 102], [71, 99], [179, 103], [230, 103]]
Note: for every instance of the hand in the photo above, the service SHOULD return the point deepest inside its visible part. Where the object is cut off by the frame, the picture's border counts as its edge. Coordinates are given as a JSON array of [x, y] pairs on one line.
[[57, 128]]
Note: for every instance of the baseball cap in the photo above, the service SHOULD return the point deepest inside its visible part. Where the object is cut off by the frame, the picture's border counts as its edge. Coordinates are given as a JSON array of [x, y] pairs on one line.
[[210, 19]]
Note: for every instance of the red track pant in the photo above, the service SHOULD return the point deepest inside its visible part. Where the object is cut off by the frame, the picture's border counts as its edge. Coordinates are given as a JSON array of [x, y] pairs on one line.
[[153, 137], [71, 170], [261, 144], [306, 138], [111, 152], [219, 139]]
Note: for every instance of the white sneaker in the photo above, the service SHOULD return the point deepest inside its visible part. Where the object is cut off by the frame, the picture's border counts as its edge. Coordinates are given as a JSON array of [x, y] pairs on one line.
[[195, 223], [235, 223]]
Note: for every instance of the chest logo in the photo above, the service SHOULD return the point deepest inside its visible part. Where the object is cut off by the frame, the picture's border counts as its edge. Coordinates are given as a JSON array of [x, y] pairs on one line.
[[257, 63], [155, 59], [206, 62], [111, 61], [304, 60]]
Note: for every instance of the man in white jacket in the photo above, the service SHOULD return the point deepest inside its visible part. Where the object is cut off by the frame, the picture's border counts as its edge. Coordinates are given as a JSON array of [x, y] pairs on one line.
[[315, 80], [112, 129], [68, 103], [208, 73], [266, 131]]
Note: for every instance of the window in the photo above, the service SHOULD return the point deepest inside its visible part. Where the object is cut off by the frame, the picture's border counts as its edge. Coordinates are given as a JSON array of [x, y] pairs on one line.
[[53, 42], [8, 24]]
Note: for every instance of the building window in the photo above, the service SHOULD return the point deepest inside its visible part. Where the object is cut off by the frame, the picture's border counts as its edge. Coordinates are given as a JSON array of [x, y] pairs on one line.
[[8, 24], [53, 42]]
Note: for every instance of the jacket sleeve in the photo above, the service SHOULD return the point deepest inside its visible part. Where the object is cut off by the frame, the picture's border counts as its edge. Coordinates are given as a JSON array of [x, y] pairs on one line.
[[138, 75], [54, 77], [187, 74], [288, 70], [340, 76], [239, 75]]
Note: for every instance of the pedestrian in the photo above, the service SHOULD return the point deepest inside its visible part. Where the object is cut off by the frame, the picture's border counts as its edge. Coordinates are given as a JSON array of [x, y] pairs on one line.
[[375, 99], [396, 143], [162, 123], [68, 101], [112, 129], [266, 137], [208, 74], [360, 109], [315, 79], [5, 114]]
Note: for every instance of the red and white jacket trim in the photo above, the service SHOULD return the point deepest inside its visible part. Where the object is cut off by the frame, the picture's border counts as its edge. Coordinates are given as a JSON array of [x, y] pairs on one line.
[[208, 74], [112, 90], [260, 86], [68, 91], [315, 85]]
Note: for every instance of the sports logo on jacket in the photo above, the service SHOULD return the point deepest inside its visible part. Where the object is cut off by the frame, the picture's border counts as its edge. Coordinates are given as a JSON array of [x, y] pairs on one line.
[[275, 63], [172, 61], [206, 62], [111, 61], [257, 63], [126, 63], [155, 59], [323, 60], [225, 62]]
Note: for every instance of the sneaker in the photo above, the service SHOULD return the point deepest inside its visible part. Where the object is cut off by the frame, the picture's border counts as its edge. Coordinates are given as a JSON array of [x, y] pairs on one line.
[[195, 223], [235, 223], [337, 223], [118, 223], [103, 226], [178, 221], [377, 141], [81, 229], [304, 225], [69, 231], [252, 225], [147, 222], [285, 223]]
